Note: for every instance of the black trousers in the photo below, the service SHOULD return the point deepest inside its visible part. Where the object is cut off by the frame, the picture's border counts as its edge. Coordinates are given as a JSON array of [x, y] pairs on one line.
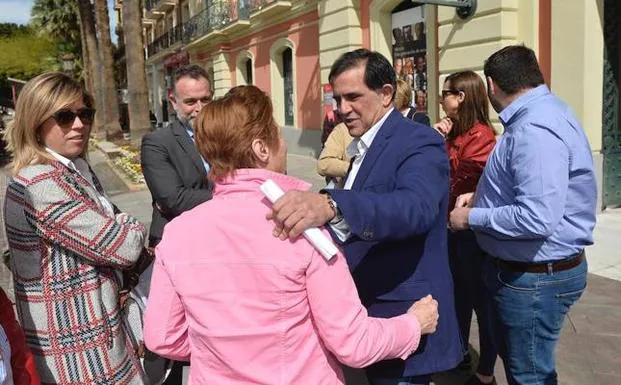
[[466, 260]]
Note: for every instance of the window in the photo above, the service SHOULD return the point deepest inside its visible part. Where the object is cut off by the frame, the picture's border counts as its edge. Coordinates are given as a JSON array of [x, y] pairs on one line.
[[248, 69], [244, 68], [283, 83], [287, 66]]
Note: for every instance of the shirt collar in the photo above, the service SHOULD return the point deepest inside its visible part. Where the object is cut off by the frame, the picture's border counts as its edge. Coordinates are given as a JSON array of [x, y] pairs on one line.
[[509, 112], [360, 145], [190, 131], [67, 162], [249, 179]]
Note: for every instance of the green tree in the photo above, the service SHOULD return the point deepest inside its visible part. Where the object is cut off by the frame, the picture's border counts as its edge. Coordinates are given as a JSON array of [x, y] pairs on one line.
[[25, 55], [59, 20], [10, 29]]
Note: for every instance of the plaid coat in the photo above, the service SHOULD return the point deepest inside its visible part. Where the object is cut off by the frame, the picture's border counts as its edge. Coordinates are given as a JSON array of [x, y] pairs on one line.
[[64, 253]]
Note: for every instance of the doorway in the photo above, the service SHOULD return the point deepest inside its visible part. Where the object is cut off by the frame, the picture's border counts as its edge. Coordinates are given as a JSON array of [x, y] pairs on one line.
[[611, 135]]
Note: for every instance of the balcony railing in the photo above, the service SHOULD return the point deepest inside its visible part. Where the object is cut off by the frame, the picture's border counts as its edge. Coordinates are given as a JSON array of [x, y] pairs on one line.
[[257, 5], [217, 15], [164, 41]]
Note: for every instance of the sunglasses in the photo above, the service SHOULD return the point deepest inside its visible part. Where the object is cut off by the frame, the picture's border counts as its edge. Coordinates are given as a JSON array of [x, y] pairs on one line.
[[65, 116], [446, 93]]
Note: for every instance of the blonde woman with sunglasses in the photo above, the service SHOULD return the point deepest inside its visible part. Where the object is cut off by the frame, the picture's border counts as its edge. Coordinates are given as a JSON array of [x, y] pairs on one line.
[[67, 242]]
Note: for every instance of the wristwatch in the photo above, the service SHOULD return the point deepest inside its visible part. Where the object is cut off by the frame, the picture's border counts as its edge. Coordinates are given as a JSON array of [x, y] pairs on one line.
[[338, 215]]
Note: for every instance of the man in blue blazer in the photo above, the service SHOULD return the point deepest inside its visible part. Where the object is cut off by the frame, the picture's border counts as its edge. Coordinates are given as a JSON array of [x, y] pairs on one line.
[[391, 216]]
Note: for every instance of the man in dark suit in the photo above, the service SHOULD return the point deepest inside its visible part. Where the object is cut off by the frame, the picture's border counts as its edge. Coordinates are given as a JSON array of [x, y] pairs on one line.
[[174, 170], [391, 217]]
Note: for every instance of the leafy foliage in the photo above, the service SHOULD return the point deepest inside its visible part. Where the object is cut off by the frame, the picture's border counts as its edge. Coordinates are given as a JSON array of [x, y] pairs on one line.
[[10, 29], [59, 20], [25, 55]]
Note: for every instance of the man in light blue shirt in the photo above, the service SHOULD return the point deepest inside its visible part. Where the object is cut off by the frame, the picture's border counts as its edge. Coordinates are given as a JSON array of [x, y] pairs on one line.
[[533, 214]]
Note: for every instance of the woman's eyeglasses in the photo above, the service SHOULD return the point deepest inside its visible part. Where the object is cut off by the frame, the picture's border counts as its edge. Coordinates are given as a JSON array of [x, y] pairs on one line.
[[446, 93], [65, 116]]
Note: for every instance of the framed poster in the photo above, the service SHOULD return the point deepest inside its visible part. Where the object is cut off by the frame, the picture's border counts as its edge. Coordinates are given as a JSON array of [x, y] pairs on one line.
[[409, 50]]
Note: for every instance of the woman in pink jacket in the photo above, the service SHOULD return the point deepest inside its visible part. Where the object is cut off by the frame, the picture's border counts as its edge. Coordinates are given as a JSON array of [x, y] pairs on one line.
[[243, 306]]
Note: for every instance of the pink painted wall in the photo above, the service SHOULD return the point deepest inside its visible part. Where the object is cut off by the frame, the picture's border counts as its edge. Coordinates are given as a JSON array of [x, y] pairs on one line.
[[303, 32]]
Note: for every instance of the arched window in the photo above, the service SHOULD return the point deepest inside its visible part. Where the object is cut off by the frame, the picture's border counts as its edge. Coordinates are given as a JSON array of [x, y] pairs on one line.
[[248, 70], [245, 68], [283, 90], [287, 67]]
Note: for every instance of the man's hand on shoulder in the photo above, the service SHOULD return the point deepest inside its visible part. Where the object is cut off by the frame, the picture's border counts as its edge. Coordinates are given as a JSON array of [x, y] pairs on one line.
[[297, 211]]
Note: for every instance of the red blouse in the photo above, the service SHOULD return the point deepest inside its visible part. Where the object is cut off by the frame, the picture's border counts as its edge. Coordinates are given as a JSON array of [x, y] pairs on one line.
[[468, 154], [22, 360]]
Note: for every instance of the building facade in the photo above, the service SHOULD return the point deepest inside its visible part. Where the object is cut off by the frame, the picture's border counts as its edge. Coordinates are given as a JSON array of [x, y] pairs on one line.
[[287, 47]]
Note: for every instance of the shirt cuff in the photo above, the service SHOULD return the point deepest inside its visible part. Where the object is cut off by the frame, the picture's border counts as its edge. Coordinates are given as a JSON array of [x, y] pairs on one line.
[[478, 217], [414, 326], [341, 229]]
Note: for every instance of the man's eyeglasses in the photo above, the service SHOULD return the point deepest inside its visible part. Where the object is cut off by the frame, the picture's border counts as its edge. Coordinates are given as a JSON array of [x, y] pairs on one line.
[[446, 93], [66, 117]]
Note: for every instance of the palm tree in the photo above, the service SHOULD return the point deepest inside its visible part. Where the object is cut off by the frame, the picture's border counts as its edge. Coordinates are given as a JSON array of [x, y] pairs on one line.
[[137, 91], [111, 98], [86, 60], [58, 19], [87, 22]]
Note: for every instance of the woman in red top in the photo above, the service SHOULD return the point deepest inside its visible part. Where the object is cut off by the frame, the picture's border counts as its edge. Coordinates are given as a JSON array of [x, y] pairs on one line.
[[22, 361], [469, 139]]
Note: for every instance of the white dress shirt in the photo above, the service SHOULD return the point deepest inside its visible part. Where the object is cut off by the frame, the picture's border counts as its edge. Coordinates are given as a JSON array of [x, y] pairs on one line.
[[357, 150]]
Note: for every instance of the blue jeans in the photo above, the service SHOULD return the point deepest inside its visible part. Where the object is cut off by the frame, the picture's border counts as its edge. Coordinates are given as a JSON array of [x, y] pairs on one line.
[[528, 311], [466, 260]]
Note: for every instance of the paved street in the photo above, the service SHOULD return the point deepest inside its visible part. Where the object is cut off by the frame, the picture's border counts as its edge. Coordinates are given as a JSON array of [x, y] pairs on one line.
[[590, 347]]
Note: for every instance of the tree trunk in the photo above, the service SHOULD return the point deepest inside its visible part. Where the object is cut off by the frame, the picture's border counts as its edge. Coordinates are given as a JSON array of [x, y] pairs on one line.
[[86, 63], [88, 22], [111, 98], [137, 91]]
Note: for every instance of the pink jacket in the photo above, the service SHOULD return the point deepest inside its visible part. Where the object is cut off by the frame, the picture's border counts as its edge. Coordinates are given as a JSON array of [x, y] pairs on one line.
[[245, 307]]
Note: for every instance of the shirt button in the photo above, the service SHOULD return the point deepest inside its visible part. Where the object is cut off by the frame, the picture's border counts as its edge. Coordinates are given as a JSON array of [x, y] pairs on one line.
[[367, 234]]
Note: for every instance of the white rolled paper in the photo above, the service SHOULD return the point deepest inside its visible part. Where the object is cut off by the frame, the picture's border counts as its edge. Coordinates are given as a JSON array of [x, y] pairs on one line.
[[323, 244]]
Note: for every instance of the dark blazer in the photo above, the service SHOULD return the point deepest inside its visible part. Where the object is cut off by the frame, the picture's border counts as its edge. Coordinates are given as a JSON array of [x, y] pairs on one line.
[[175, 175], [396, 211], [418, 116]]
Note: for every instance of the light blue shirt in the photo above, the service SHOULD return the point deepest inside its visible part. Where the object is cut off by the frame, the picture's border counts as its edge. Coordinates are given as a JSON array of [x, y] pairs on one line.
[[191, 134], [537, 196]]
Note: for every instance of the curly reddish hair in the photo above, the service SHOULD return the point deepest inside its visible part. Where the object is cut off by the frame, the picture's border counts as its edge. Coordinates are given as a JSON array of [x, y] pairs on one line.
[[226, 128]]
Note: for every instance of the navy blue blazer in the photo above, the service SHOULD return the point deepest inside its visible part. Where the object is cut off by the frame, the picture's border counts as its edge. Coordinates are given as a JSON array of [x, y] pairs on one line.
[[397, 253]]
